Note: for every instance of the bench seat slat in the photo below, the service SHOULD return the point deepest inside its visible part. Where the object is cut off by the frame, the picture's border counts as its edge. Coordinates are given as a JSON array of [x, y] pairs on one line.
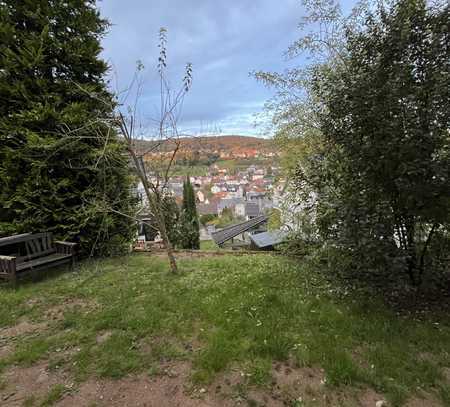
[[21, 259], [42, 260]]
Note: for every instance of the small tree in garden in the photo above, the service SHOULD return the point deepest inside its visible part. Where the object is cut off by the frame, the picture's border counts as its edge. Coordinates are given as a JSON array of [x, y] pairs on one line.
[[155, 173], [190, 231]]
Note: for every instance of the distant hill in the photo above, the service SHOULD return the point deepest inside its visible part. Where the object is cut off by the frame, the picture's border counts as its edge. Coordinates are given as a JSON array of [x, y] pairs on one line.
[[210, 144]]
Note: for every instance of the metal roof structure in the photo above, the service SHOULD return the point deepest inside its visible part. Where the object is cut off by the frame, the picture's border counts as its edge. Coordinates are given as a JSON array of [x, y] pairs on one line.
[[221, 236], [251, 209], [266, 239]]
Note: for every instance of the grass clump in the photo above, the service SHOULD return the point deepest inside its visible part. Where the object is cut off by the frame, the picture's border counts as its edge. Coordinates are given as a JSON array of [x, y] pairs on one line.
[[54, 395]]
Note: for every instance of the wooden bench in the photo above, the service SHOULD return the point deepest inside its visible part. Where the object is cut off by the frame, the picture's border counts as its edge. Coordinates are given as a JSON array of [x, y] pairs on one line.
[[29, 252]]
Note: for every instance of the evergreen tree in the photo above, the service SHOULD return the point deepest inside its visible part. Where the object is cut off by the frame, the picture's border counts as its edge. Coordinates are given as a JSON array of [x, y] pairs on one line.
[[190, 227], [61, 169]]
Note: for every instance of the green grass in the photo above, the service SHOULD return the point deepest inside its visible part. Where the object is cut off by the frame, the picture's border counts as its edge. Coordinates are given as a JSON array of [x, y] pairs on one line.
[[245, 311], [208, 245], [54, 394], [192, 170]]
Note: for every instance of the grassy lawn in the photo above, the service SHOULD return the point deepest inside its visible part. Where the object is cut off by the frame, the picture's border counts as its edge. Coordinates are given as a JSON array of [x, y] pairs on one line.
[[208, 245], [192, 170], [121, 316]]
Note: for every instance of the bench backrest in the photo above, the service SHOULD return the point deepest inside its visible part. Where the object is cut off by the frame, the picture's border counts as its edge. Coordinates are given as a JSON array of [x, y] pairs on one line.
[[39, 244], [10, 240], [35, 245]]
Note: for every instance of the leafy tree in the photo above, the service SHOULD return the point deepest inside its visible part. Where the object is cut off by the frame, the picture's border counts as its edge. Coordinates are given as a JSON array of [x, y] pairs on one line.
[[386, 112], [190, 227], [226, 218], [275, 221], [367, 133], [172, 219], [50, 178], [207, 218]]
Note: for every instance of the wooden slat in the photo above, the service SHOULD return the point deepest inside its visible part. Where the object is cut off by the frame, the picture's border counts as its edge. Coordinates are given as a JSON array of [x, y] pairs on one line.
[[49, 239], [9, 240], [42, 260], [5, 241], [30, 248], [34, 255]]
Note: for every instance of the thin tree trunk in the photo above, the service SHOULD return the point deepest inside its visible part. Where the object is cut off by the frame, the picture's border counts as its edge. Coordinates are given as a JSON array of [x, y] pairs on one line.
[[169, 251], [424, 251], [165, 238], [153, 201]]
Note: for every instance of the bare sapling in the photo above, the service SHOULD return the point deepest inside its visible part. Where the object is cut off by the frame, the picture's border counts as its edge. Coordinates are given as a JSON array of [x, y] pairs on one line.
[[153, 166]]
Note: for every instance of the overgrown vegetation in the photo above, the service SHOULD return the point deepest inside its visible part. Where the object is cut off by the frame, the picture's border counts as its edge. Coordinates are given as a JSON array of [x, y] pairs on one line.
[[127, 315], [365, 131]]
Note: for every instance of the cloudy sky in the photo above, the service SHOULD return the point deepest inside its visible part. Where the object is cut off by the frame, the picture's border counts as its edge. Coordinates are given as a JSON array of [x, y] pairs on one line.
[[224, 40]]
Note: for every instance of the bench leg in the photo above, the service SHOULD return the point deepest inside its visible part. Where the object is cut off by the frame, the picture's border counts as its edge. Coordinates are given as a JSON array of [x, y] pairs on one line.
[[13, 280]]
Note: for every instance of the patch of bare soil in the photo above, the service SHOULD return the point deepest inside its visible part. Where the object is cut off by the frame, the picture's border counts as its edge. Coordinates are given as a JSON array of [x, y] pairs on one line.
[[290, 385], [170, 388], [427, 400], [307, 386], [24, 382], [103, 337], [370, 398], [56, 312], [22, 328], [446, 374], [5, 350], [9, 335]]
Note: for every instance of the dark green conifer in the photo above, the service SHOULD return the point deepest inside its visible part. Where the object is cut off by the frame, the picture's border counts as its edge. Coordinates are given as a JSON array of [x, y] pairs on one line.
[[61, 168], [190, 226]]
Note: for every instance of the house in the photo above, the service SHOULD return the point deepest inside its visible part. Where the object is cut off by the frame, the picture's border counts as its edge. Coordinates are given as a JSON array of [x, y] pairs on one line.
[[229, 203], [252, 210], [254, 196], [200, 196], [207, 209]]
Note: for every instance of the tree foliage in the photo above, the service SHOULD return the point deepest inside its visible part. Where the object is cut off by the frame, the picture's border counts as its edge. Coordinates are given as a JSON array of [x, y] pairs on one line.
[[53, 178], [367, 133], [189, 224]]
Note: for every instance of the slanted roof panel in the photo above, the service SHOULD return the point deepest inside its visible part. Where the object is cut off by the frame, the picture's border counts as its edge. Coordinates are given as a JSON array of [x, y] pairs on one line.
[[221, 236], [266, 239]]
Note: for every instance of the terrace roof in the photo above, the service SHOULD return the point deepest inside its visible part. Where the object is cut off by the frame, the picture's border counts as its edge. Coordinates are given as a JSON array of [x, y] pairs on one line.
[[266, 239], [221, 236]]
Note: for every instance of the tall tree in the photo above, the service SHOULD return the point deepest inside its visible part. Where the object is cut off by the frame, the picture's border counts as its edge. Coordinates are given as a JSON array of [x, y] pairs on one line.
[[386, 112], [366, 132], [52, 177], [190, 226]]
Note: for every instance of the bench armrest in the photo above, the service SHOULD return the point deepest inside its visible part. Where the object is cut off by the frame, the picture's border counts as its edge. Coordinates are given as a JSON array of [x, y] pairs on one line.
[[65, 247], [7, 264]]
